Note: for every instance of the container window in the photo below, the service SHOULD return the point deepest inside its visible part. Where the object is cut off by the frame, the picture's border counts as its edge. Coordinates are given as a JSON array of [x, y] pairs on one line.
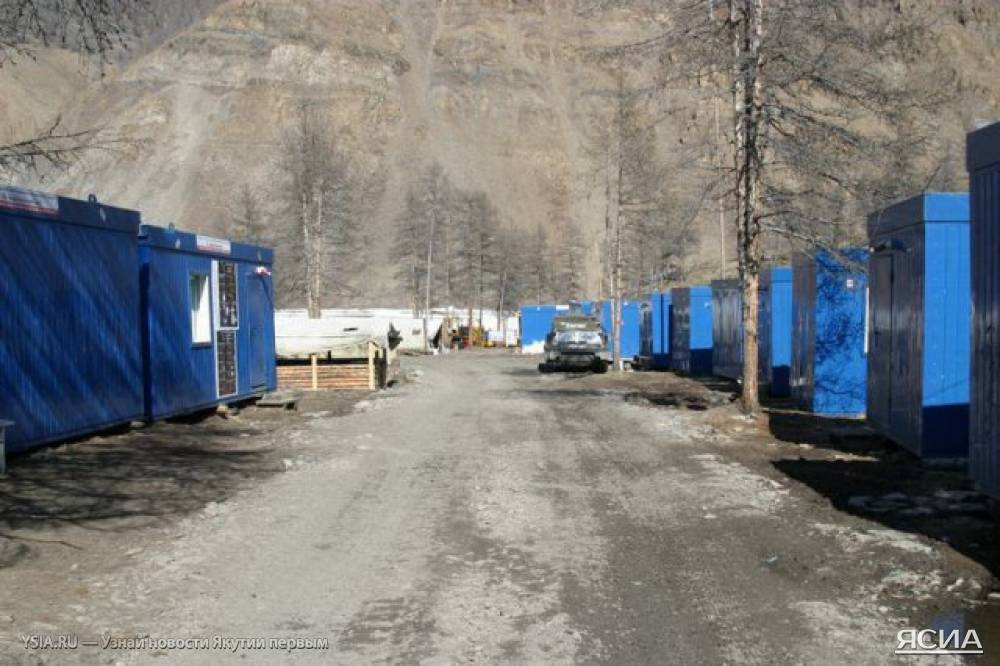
[[229, 316], [201, 321]]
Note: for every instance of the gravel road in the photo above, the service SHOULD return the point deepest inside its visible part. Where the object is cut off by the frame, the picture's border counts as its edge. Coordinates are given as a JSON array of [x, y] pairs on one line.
[[485, 512]]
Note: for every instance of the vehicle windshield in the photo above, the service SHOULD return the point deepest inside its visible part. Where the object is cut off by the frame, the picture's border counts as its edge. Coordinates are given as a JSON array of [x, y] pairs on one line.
[[579, 337]]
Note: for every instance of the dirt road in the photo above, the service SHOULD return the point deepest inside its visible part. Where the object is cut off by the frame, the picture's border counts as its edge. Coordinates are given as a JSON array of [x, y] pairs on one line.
[[485, 512]]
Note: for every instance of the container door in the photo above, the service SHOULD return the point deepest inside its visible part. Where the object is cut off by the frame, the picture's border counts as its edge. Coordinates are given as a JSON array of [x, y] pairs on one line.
[[880, 341], [258, 307]]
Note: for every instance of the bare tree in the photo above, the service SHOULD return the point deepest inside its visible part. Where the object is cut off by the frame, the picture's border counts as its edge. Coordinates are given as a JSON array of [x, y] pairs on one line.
[[410, 237], [314, 192], [647, 231], [567, 256], [93, 28], [815, 114], [247, 222], [429, 205]]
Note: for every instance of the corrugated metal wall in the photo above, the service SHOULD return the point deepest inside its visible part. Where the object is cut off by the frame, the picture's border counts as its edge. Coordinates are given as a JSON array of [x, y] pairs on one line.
[[919, 311], [803, 329], [947, 341], [646, 327], [654, 331], [775, 342], [70, 360], [764, 373], [829, 364], [983, 158], [660, 316], [680, 330], [727, 328], [691, 330]]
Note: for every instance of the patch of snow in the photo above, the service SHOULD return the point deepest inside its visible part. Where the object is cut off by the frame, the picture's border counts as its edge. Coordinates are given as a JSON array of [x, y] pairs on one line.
[[852, 540], [533, 348]]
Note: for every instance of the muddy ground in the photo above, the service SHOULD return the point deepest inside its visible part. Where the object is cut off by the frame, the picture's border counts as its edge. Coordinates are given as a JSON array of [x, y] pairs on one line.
[[485, 512]]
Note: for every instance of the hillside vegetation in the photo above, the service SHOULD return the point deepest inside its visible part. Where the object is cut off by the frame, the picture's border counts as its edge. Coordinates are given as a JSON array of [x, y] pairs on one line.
[[504, 104]]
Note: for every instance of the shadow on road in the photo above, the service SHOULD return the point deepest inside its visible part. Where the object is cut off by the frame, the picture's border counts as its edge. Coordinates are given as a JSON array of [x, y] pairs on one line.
[[113, 483], [566, 393], [522, 372], [847, 435]]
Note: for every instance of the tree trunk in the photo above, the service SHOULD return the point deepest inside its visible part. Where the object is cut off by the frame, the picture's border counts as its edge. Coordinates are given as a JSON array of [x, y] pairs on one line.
[[308, 240], [749, 398], [479, 294], [617, 309], [446, 260], [615, 215], [427, 283], [501, 302], [317, 262], [722, 206], [752, 180]]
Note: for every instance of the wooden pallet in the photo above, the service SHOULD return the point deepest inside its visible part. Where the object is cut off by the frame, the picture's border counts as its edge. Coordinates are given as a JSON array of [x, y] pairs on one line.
[[325, 377], [364, 375]]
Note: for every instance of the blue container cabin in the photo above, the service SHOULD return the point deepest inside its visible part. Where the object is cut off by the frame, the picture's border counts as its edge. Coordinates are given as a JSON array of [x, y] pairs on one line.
[[631, 344], [727, 328], [208, 321], [655, 331], [536, 322], [983, 161], [775, 330], [829, 356], [691, 330], [70, 342], [920, 306]]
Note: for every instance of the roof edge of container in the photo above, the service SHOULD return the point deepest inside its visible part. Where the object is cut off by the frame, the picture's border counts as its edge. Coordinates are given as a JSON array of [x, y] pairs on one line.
[[924, 208], [727, 283], [699, 289], [186, 241], [982, 147], [67, 210]]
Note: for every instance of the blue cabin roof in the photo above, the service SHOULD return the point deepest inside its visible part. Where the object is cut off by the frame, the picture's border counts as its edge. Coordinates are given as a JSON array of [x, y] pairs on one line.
[[929, 207], [50, 207], [183, 241], [982, 147]]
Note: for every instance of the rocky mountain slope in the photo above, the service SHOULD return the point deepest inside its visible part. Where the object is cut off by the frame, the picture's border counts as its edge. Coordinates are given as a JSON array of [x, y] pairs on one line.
[[505, 95]]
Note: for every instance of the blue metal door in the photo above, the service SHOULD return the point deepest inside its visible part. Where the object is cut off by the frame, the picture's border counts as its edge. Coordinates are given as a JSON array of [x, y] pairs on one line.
[[258, 307]]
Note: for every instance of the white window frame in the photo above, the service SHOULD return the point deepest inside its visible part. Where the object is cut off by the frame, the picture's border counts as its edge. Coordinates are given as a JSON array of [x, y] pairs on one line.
[[200, 309]]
